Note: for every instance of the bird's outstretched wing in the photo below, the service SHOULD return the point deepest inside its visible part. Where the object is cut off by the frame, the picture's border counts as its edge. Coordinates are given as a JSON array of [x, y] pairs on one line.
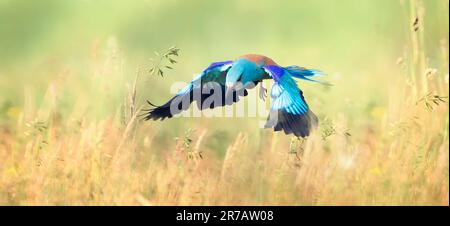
[[207, 90], [289, 111]]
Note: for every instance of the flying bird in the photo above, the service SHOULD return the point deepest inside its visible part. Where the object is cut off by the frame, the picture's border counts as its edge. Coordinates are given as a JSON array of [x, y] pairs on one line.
[[228, 81]]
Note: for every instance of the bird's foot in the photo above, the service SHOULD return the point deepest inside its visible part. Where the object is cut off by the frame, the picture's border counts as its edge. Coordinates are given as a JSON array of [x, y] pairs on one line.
[[262, 92]]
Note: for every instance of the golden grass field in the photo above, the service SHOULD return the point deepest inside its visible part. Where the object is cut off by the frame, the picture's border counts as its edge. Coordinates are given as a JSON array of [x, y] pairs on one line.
[[70, 135]]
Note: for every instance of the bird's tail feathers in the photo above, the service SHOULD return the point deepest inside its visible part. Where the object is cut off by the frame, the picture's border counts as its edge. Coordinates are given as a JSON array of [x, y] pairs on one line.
[[305, 74]]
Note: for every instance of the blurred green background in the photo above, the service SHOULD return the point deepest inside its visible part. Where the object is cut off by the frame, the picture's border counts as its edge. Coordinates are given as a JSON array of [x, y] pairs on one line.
[[356, 42]]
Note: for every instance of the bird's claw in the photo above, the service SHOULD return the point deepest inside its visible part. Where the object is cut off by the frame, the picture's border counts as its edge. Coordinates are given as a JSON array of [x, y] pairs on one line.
[[262, 92]]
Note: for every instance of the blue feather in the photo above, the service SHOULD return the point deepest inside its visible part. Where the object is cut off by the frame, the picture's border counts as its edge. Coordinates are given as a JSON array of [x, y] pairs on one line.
[[289, 111], [303, 73], [221, 66], [285, 93]]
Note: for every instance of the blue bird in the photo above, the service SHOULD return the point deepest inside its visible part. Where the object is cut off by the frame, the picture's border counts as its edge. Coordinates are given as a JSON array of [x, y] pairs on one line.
[[227, 81]]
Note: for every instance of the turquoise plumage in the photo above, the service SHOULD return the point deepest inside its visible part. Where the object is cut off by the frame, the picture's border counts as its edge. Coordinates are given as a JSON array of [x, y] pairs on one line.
[[230, 80], [289, 111]]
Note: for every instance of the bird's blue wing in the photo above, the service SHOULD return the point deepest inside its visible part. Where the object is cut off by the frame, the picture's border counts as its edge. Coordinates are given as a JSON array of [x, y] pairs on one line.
[[215, 72], [207, 89], [289, 111]]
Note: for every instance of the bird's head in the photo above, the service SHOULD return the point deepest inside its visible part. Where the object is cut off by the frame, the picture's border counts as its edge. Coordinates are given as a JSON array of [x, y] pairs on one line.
[[235, 76], [242, 74]]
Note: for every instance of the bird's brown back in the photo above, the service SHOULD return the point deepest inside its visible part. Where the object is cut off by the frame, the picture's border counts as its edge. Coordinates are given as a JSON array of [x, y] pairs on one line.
[[256, 58]]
